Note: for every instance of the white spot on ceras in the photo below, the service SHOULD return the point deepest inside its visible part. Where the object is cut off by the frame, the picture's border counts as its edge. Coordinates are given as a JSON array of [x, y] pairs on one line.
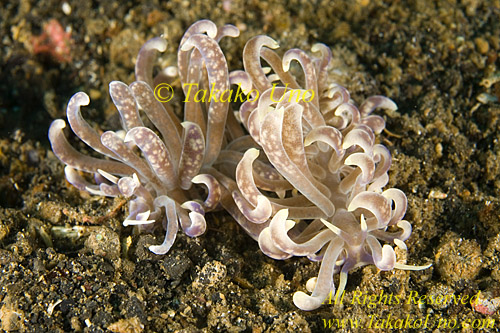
[[278, 153]]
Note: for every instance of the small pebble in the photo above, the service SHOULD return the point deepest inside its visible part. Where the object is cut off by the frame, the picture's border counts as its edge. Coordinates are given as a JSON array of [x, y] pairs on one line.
[[458, 259], [486, 304], [104, 242], [482, 45], [66, 8], [212, 273]]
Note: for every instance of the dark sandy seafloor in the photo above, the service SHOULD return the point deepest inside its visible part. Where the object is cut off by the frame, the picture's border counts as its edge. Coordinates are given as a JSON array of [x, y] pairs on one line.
[[438, 60]]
